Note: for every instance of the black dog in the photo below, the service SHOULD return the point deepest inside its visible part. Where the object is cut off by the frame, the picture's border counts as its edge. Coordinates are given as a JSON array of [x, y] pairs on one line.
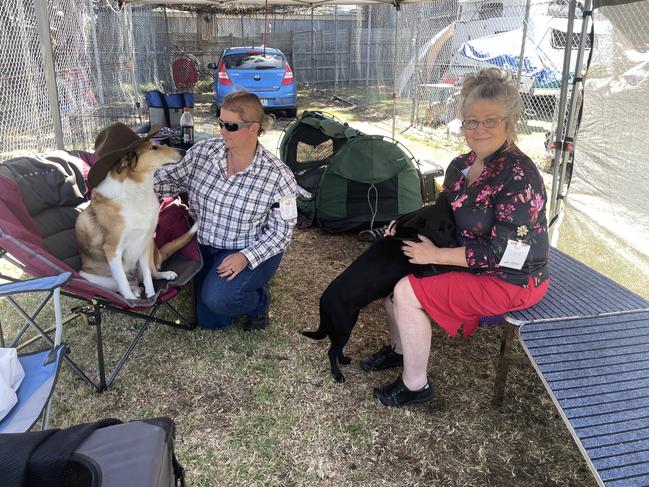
[[374, 274]]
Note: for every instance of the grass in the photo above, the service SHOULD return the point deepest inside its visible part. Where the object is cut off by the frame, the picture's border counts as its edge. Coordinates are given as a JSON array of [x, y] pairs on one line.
[[262, 408]]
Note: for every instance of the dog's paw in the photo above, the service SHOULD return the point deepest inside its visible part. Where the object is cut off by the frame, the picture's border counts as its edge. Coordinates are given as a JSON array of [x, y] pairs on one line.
[[129, 294], [344, 360], [339, 377], [168, 275], [137, 292]]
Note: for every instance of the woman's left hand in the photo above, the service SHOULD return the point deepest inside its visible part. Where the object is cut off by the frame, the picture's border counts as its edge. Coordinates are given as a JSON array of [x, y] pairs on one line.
[[423, 252], [232, 265]]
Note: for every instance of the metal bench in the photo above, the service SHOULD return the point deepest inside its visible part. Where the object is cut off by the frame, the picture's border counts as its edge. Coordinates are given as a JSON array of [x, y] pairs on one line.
[[596, 369], [576, 290], [588, 339]]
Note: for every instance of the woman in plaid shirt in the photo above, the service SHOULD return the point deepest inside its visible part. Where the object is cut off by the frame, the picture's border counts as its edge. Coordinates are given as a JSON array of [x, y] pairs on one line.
[[243, 198]]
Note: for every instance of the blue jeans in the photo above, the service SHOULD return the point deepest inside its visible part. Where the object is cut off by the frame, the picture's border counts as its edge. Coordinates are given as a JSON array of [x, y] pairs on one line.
[[219, 301]]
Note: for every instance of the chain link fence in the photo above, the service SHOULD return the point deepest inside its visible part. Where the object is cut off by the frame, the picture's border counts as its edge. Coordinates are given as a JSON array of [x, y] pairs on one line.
[[407, 62]]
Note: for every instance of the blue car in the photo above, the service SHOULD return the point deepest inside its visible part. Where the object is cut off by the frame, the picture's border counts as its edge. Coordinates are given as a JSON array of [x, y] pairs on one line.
[[262, 71]]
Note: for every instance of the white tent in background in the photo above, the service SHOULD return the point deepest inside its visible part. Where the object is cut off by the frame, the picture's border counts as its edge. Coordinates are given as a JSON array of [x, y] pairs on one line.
[[608, 193], [607, 205]]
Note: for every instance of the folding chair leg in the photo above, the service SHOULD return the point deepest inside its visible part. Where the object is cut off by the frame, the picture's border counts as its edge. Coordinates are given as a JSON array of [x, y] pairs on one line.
[[505, 359], [99, 341]]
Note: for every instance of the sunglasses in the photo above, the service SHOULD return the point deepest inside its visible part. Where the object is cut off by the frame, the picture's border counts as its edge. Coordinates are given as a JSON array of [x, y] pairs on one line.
[[234, 126]]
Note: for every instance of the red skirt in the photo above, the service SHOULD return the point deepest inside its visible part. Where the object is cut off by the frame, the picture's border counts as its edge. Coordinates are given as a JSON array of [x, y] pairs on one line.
[[457, 300]]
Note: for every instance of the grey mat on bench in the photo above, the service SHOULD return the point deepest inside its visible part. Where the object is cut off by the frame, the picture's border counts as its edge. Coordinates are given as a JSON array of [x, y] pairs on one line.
[[597, 371], [578, 290]]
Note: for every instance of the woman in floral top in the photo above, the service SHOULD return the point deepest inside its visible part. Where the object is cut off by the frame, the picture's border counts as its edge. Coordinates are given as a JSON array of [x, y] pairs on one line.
[[498, 200]]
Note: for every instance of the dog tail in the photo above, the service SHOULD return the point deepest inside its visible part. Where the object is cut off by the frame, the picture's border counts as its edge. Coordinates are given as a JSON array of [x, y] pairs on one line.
[[315, 335], [175, 245]]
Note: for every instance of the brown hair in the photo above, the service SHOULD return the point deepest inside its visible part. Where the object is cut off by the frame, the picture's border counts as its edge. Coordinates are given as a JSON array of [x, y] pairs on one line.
[[493, 84], [248, 107]]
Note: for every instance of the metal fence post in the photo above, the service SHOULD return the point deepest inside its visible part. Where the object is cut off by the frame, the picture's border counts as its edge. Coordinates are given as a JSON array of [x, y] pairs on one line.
[[335, 49], [369, 45], [43, 20], [313, 72], [349, 58], [397, 8], [415, 78]]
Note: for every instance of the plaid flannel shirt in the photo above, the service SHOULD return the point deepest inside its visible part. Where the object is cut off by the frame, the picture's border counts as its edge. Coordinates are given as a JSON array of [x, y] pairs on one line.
[[235, 212]]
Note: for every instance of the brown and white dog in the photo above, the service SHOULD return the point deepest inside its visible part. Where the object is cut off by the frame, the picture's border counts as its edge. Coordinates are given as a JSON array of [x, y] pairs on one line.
[[115, 232]]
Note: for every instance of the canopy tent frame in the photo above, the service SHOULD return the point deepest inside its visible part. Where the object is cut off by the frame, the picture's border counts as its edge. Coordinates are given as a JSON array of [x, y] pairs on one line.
[[566, 129]]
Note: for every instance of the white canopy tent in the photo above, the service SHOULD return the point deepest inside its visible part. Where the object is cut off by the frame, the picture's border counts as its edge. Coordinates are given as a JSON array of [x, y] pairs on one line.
[[607, 167], [607, 207]]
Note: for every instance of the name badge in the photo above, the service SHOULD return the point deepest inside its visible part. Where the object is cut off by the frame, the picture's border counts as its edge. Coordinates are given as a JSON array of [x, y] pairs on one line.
[[515, 255], [288, 207]]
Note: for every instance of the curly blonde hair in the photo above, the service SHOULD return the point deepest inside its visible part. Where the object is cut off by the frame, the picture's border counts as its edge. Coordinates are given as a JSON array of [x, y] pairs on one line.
[[493, 84], [249, 108]]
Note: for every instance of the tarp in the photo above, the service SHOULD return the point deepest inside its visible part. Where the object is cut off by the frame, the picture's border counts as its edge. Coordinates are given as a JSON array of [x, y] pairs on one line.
[[608, 195], [504, 50]]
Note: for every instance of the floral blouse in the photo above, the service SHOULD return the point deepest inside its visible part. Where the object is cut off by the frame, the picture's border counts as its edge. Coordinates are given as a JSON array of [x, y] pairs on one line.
[[505, 202]]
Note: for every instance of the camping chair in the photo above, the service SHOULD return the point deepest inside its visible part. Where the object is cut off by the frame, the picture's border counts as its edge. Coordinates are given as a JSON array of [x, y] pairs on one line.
[[40, 199], [41, 368]]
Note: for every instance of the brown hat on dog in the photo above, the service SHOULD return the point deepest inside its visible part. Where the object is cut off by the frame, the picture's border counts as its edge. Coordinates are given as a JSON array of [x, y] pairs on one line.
[[113, 143]]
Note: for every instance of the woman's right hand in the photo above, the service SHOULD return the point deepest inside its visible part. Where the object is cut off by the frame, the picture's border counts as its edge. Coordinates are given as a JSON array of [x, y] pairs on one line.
[[391, 229]]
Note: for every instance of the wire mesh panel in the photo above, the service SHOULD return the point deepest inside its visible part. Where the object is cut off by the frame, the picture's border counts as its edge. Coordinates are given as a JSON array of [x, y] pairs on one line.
[[25, 121], [92, 71], [409, 62]]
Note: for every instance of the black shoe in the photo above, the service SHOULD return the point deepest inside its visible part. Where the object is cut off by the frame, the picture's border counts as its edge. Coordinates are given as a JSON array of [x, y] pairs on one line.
[[259, 321], [386, 358], [397, 394]]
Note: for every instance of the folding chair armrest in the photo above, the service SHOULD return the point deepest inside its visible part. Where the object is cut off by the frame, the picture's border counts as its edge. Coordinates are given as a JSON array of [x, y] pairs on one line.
[[47, 283], [52, 284]]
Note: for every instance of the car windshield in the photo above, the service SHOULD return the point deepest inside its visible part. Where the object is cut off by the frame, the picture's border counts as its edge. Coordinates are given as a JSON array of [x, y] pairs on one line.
[[254, 61]]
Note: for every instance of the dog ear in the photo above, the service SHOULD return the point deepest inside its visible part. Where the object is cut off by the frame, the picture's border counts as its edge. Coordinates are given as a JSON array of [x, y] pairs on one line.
[[128, 161]]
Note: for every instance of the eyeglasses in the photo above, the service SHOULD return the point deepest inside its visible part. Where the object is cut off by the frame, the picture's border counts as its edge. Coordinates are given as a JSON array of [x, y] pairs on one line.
[[488, 123], [234, 126]]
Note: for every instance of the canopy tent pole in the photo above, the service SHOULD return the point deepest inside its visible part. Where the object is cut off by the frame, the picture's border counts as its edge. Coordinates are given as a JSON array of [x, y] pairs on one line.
[[43, 20], [554, 203], [265, 25], [521, 58], [577, 86], [128, 32], [100, 76], [397, 6], [168, 38]]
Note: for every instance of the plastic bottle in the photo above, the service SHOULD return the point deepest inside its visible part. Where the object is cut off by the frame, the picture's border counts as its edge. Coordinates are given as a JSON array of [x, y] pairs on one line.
[[186, 127]]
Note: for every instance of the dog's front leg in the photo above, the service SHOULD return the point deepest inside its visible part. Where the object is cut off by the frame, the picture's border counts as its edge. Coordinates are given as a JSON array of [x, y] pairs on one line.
[[117, 269], [145, 269]]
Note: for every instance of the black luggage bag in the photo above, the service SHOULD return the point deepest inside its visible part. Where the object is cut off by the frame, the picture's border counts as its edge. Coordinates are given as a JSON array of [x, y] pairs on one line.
[[107, 453]]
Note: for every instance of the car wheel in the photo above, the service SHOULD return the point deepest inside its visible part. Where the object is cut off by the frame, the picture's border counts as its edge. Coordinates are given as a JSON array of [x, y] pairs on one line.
[[291, 112]]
